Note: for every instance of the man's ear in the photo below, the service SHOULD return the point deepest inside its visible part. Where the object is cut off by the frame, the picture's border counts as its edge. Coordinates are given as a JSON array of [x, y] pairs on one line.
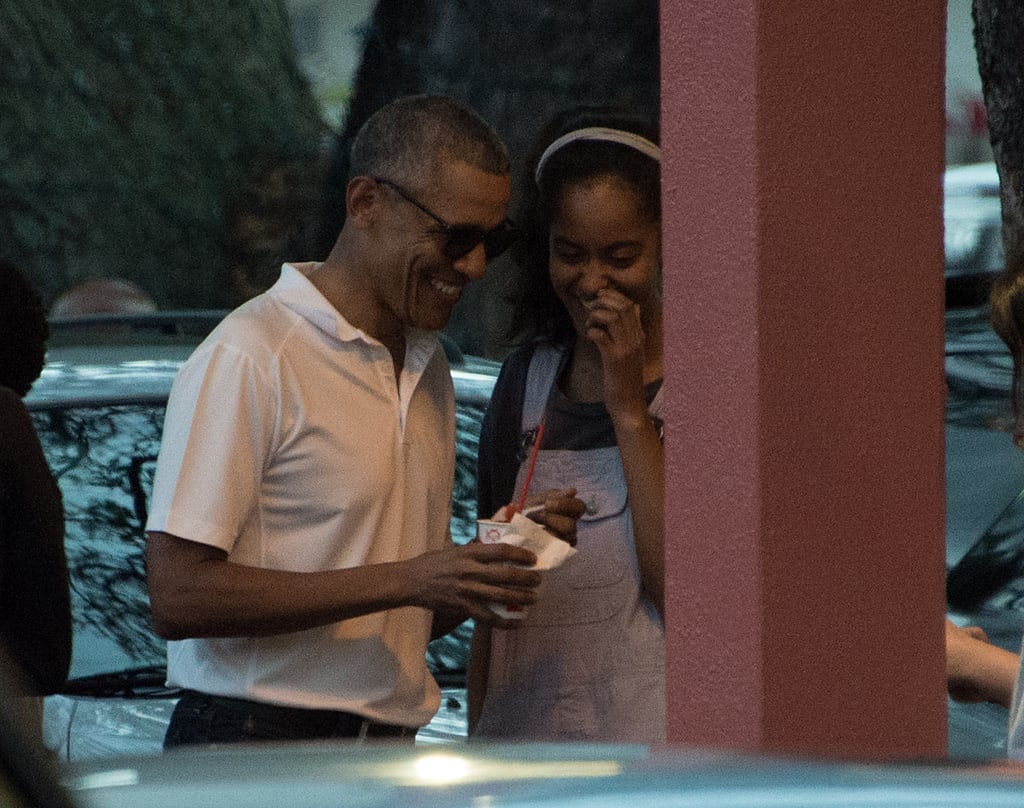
[[362, 199]]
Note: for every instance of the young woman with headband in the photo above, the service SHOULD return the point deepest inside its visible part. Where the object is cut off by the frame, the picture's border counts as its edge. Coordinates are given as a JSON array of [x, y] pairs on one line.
[[588, 661]]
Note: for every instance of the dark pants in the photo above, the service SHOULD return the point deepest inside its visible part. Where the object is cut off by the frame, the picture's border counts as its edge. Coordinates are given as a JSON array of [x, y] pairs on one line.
[[202, 719]]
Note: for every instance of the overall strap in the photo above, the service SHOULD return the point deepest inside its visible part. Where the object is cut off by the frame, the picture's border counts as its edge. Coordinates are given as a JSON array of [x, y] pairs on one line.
[[656, 403], [544, 365]]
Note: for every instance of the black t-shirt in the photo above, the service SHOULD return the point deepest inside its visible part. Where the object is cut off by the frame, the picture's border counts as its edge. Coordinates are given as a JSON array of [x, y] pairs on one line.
[[569, 425], [35, 611]]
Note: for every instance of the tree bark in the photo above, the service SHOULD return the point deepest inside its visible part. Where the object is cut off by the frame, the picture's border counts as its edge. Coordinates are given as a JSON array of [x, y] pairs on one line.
[[998, 38], [998, 34]]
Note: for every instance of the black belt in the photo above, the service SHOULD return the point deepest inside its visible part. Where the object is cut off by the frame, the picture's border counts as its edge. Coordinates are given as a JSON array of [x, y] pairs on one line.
[[322, 723], [377, 729]]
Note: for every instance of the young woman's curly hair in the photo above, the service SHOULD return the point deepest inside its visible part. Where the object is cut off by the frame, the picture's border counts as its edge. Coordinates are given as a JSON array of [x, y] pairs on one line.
[[23, 330]]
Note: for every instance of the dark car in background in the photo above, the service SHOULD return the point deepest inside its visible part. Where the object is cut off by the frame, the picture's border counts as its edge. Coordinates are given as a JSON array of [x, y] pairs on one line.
[[984, 471], [984, 510], [972, 219], [99, 410]]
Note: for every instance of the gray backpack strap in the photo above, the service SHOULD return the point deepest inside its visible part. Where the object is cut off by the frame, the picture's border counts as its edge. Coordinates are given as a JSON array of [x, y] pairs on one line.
[[656, 403], [540, 377]]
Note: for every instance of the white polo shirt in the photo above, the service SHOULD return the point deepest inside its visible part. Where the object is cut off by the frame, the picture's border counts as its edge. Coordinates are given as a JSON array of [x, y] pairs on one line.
[[289, 444]]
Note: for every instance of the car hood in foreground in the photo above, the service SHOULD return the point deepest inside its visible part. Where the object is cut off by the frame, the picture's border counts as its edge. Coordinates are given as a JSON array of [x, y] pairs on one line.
[[524, 775]]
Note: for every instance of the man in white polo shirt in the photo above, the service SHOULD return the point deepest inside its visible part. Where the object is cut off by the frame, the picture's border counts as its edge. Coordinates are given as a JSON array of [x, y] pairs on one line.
[[299, 553]]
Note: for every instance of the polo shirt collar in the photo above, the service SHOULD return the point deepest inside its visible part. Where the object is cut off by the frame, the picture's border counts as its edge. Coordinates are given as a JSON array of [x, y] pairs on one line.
[[294, 290]]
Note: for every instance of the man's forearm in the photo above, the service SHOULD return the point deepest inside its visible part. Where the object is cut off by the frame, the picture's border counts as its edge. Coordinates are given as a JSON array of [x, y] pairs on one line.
[[217, 598]]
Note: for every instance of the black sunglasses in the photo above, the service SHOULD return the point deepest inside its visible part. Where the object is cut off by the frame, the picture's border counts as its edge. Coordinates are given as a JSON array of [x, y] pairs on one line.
[[458, 240]]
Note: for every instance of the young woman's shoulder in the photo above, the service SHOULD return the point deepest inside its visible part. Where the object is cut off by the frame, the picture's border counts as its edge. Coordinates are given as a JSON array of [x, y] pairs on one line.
[[518, 360]]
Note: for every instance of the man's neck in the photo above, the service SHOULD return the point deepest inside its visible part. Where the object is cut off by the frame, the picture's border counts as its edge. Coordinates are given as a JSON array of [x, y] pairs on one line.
[[352, 298]]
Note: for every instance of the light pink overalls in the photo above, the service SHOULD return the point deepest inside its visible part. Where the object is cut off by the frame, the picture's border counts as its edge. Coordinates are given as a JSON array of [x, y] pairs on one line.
[[588, 662]]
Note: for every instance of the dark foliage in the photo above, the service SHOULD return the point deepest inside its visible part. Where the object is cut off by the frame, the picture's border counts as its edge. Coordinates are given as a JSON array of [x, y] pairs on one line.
[[131, 128], [517, 63]]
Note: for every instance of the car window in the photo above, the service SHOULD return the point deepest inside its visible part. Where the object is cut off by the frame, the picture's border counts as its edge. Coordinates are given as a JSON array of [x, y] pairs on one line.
[[104, 457]]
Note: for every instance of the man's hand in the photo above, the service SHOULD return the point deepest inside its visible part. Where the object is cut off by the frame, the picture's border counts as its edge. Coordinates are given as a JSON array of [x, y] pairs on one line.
[[196, 592], [614, 326], [469, 577]]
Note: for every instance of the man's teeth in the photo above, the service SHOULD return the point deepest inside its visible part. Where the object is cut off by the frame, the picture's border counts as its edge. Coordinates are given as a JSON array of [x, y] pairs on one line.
[[448, 289]]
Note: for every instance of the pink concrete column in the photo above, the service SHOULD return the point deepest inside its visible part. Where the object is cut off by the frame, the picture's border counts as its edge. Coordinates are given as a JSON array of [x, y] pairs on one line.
[[804, 303]]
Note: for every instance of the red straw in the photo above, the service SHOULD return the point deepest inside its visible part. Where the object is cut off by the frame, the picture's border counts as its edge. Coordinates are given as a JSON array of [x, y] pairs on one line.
[[529, 470]]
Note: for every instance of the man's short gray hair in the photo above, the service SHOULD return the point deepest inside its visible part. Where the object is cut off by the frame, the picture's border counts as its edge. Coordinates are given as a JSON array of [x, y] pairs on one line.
[[408, 140]]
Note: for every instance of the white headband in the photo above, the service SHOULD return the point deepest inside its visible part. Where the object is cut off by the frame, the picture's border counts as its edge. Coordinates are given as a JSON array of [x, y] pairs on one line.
[[634, 141]]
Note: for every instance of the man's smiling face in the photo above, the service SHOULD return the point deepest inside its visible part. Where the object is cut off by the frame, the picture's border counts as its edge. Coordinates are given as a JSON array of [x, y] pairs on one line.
[[426, 284]]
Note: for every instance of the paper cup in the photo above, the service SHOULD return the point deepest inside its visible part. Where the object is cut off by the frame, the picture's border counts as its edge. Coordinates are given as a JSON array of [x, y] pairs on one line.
[[491, 531], [508, 611]]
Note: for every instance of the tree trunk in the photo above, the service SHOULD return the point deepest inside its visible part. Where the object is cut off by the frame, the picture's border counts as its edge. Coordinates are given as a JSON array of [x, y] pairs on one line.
[[998, 38], [998, 34]]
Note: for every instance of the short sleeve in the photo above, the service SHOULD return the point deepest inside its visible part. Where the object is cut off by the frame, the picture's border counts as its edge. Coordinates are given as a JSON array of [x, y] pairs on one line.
[[218, 432]]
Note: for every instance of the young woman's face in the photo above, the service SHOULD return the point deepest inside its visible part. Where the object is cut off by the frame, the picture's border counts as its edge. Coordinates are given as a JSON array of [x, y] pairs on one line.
[[600, 238]]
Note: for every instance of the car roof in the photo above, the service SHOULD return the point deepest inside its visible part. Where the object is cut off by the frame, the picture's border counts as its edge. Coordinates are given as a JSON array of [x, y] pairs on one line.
[[91, 375], [109, 360], [978, 178], [113, 359]]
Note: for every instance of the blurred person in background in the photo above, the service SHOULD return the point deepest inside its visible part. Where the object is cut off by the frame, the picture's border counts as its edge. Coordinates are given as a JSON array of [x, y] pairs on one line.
[[976, 669], [587, 661], [102, 296], [35, 598]]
